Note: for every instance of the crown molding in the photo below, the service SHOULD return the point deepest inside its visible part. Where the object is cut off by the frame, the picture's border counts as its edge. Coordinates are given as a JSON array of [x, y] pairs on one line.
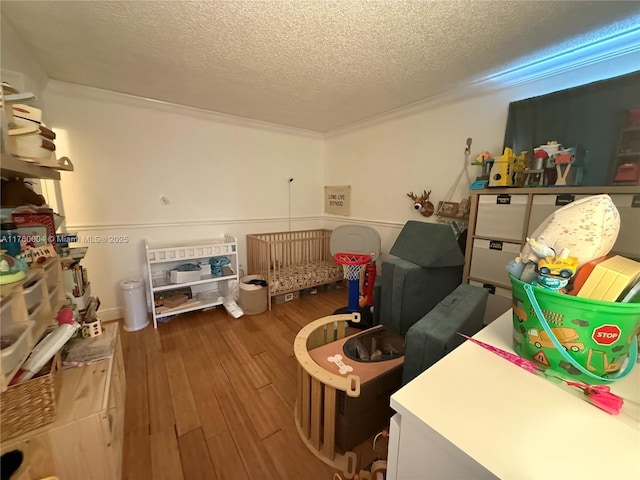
[[623, 48], [92, 93]]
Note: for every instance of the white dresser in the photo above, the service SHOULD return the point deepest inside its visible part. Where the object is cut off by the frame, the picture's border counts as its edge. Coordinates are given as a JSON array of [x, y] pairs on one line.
[[475, 415]]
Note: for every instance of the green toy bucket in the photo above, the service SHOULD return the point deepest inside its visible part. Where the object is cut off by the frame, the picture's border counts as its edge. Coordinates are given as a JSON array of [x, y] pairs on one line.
[[585, 340]]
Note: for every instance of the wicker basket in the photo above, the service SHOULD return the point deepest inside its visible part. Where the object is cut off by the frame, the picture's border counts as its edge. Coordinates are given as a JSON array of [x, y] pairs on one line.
[[32, 404]]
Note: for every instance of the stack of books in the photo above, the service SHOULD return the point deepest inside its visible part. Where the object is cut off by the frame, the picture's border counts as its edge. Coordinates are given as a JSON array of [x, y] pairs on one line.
[[27, 137]]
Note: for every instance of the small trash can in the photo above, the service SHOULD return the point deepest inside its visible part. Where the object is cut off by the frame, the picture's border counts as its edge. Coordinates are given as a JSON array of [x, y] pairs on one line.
[[253, 297], [135, 305]]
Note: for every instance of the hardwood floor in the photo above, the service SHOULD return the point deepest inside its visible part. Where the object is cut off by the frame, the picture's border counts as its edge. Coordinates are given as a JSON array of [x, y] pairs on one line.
[[211, 397]]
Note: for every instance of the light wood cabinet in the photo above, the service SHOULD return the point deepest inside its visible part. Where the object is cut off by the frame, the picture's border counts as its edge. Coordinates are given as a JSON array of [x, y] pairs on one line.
[[86, 439], [502, 218]]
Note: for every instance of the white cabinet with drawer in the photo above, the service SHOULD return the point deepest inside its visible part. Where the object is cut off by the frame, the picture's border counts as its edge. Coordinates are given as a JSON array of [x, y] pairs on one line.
[[628, 242], [499, 301], [489, 259], [501, 220], [501, 216], [544, 205]]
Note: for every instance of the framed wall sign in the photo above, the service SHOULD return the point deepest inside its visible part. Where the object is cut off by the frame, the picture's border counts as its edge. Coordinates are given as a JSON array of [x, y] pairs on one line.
[[337, 200]]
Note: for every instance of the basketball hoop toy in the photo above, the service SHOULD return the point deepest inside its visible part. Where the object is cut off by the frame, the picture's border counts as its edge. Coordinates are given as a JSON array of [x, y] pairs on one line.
[[352, 264]]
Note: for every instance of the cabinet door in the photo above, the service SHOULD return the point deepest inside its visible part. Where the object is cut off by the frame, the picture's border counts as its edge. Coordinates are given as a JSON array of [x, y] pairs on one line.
[[628, 242], [489, 259], [544, 205], [501, 216], [498, 302]]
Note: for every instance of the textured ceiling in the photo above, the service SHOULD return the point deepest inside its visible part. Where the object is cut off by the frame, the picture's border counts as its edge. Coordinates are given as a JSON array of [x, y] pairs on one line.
[[311, 64]]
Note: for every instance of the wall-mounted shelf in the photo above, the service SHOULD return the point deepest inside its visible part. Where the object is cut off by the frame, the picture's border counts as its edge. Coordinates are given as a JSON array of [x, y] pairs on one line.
[[14, 167]]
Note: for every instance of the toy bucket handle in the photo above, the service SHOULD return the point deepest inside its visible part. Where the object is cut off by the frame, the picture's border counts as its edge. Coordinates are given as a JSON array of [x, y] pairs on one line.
[[633, 351]]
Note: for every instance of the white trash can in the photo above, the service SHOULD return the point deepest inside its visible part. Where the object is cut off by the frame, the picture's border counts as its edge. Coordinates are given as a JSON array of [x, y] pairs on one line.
[[136, 316]]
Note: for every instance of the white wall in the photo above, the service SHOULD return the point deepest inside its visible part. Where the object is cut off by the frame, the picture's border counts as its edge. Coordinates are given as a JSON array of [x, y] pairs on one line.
[[19, 66], [220, 174], [422, 147]]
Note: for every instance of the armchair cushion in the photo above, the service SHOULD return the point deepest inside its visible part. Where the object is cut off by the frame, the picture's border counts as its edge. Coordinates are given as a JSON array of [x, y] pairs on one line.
[[435, 335]]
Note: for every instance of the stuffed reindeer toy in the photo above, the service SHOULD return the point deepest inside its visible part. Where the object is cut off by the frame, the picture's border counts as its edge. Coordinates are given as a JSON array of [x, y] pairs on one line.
[[422, 203]]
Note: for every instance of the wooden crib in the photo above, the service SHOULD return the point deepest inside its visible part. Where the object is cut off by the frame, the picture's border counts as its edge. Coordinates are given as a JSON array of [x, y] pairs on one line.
[[292, 261]]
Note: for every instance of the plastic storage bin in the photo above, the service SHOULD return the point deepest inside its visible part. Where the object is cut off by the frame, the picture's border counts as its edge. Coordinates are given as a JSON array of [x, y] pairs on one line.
[[34, 294], [14, 354], [135, 305]]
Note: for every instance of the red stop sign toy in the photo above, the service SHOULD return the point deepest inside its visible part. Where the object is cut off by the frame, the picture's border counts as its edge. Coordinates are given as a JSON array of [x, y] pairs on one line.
[[606, 334]]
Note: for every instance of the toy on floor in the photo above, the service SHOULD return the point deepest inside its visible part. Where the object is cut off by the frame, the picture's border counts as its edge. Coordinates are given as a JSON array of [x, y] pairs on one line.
[[357, 247], [377, 469], [352, 264]]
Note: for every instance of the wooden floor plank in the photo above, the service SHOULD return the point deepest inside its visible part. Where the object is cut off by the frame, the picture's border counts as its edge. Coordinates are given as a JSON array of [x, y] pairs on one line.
[[184, 407], [257, 412], [198, 367], [287, 440], [136, 455], [251, 369], [194, 452], [257, 461], [248, 331], [137, 398], [166, 463], [193, 411], [283, 378], [209, 333], [161, 416], [226, 457]]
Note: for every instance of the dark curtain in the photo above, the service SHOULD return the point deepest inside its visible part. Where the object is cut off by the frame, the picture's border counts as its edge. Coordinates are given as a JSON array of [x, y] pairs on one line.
[[591, 115]]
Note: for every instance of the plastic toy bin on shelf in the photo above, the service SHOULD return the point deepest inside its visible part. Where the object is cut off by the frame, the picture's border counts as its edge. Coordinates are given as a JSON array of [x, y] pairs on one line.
[[34, 293], [179, 276], [52, 273], [19, 334]]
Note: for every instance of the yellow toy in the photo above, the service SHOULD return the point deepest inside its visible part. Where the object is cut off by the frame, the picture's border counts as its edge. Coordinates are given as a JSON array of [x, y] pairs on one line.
[[501, 174]]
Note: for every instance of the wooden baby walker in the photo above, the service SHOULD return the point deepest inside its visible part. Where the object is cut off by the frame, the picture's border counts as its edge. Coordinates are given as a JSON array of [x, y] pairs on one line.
[[318, 347]]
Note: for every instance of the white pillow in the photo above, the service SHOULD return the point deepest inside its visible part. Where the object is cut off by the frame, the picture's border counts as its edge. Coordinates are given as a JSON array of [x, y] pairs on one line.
[[588, 228]]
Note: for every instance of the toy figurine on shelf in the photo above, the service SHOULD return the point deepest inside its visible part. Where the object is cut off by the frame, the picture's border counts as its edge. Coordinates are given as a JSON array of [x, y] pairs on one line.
[[216, 265], [12, 269], [564, 158], [484, 160], [555, 165], [501, 174]]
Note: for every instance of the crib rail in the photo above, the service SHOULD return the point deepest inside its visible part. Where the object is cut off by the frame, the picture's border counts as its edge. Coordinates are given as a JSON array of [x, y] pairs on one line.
[[275, 255]]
